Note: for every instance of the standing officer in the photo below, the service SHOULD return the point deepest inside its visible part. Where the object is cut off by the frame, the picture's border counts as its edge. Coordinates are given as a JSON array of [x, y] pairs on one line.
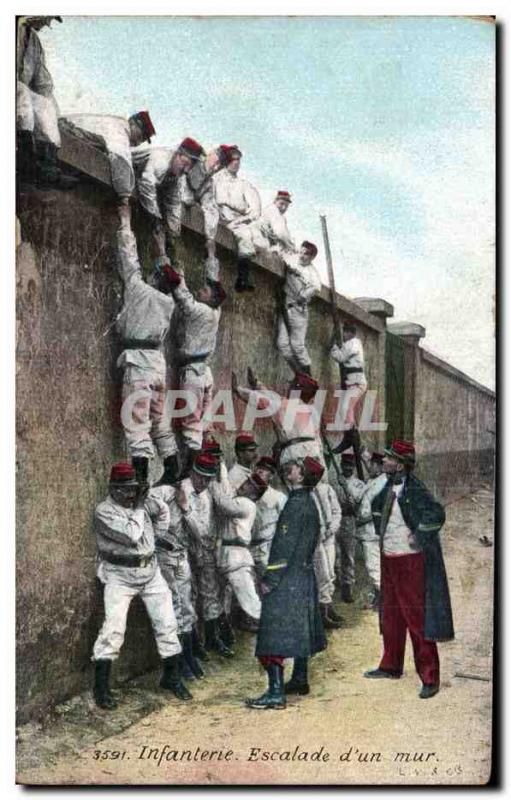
[[415, 591], [127, 567], [301, 284], [239, 205], [290, 625]]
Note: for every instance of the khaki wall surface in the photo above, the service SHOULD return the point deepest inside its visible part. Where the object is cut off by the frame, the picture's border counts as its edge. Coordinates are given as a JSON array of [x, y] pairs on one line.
[[454, 425], [68, 404]]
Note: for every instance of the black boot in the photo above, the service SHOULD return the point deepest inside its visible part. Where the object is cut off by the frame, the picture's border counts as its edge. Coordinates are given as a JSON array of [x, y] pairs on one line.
[[247, 623], [141, 466], [298, 683], [332, 613], [170, 471], [171, 678], [275, 697], [25, 156], [188, 463], [49, 174], [184, 666], [347, 594], [225, 630], [197, 648], [328, 622], [243, 282], [102, 694], [194, 665], [213, 640], [345, 443]]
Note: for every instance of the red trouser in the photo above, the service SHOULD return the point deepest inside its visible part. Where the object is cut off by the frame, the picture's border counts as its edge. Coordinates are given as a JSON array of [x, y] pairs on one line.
[[402, 582], [267, 660]]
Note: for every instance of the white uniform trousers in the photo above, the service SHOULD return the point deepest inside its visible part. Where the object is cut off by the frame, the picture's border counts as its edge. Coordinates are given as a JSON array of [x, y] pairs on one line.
[[121, 585], [209, 586], [37, 114], [175, 568], [324, 568], [261, 554], [372, 560], [241, 581], [350, 400], [291, 336], [150, 425], [345, 544], [244, 239], [198, 379]]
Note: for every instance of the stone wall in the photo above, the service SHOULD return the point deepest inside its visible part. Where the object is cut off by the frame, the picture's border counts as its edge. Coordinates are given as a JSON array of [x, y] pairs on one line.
[[68, 403], [454, 424]]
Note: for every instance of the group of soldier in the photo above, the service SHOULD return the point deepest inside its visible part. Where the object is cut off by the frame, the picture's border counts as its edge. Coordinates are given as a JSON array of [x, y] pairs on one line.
[[260, 546]]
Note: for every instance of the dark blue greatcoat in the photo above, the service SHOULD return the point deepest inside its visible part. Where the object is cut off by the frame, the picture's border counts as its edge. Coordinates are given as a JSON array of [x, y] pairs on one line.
[[290, 623], [425, 516]]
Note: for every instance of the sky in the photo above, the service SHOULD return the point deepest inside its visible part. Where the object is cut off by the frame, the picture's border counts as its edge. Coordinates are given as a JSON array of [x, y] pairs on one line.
[[386, 125]]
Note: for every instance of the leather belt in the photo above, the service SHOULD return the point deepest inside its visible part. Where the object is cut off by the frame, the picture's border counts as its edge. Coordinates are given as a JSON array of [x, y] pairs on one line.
[[234, 543], [135, 344], [297, 440], [126, 561], [352, 370], [185, 361], [159, 542]]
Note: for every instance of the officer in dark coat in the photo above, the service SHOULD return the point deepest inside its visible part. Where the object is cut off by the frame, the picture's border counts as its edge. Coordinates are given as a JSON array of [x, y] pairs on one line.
[[290, 625], [415, 592]]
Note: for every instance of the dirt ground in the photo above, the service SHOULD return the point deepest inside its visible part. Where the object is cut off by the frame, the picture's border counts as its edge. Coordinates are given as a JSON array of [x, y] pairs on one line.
[[347, 731]]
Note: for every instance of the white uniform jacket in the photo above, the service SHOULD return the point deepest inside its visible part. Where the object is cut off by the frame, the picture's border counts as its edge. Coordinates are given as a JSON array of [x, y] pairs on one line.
[[237, 475], [146, 313], [159, 191], [197, 187], [115, 132], [126, 531], [237, 515], [272, 227], [301, 281], [238, 201], [199, 325], [268, 510], [185, 527], [330, 514], [351, 356]]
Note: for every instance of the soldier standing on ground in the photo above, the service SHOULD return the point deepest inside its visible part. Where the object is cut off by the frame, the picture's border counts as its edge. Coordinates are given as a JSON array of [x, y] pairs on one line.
[[290, 625], [415, 591], [127, 566]]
